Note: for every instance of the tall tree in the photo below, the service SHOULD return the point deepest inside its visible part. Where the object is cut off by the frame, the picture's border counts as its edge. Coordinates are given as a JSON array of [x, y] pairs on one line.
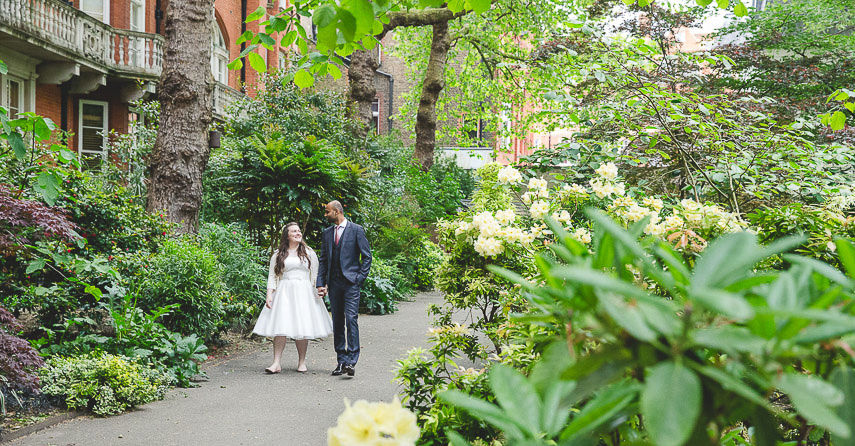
[[363, 66], [181, 149]]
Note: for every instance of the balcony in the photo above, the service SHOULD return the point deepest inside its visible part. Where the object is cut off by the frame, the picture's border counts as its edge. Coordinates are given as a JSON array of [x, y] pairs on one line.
[[74, 36], [224, 96]]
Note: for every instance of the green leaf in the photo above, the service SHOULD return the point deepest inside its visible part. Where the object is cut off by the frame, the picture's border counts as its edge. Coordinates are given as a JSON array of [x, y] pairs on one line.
[[850, 106], [729, 304], [35, 265], [602, 408], [347, 24], [703, 2], [257, 14], [480, 6], [3, 68], [517, 396], [18, 145], [733, 384], [846, 252], [323, 16], [41, 129], [838, 120], [627, 316], [327, 39], [303, 79], [843, 378], [66, 155], [819, 267], [456, 439], [729, 339], [257, 62], [363, 13], [47, 185], [740, 10], [813, 398], [483, 410], [266, 41], [334, 71], [643, 3], [671, 403]]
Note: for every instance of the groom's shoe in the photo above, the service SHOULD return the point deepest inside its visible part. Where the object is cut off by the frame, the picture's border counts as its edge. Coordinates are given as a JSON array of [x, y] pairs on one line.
[[338, 370], [349, 369]]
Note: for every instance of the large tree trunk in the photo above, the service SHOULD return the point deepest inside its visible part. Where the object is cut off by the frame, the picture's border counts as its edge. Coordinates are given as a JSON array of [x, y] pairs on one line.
[[181, 149], [362, 91], [433, 84]]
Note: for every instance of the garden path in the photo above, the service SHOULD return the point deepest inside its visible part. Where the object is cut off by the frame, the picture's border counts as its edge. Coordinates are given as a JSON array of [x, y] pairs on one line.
[[240, 405]]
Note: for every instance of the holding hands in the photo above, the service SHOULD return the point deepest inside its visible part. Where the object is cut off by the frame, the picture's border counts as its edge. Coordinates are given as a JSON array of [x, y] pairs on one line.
[[322, 291]]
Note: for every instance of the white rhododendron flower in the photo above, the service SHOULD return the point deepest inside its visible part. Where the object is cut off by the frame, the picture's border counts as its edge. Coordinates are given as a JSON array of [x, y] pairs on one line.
[[562, 216], [673, 222], [488, 246], [581, 235], [527, 238], [506, 216], [509, 175], [373, 424], [539, 209], [574, 190], [537, 184], [619, 188], [624, 201], [602, 190], [654, 229], [512, 234], [690, 205], [490, 228], [607, 171], [481, 218], [653, 203], [542, 193], [526, 198], [636, 213]]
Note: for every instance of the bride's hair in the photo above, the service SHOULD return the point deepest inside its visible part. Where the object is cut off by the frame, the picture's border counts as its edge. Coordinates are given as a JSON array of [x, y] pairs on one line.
[[282, 252]]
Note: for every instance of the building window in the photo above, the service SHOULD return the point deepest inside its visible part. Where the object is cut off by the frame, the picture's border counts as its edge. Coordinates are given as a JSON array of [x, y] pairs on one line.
[[138, 16], [474, 130], [219, 56], [12, 97], [375, 116], [378, 53], [93, 132], [99, 9]]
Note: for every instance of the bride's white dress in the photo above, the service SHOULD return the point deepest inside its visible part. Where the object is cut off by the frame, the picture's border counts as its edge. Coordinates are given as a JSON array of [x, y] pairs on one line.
[[297, 311]]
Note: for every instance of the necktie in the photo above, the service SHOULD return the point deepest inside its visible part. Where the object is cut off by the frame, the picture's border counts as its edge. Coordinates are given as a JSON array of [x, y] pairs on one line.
[[336, 234]]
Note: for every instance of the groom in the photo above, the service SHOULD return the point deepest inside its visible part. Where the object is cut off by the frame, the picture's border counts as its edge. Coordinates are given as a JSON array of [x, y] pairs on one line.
[[343, 266]]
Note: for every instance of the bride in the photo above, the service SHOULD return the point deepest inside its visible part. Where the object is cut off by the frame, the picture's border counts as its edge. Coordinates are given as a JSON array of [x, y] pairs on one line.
[[293, 308]]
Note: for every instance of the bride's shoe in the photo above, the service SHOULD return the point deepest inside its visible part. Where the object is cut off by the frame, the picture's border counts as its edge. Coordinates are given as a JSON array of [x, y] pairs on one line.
[[270, 371]]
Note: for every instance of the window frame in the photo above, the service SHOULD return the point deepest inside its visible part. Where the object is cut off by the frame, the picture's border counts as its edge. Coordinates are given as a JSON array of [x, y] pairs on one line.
[[104, 129], [219, 55], [141, 24], [5, 94], [105, 11]]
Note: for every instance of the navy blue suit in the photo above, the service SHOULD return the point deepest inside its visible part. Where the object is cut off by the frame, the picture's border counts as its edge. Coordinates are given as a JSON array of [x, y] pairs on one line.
[[342, 268]]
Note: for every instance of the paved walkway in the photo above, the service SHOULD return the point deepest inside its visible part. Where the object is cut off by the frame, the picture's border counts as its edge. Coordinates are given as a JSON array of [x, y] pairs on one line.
[[240, 405]]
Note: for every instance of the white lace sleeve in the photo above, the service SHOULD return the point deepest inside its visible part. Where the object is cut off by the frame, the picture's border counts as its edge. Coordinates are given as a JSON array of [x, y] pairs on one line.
[[313, 268], [271, 276]]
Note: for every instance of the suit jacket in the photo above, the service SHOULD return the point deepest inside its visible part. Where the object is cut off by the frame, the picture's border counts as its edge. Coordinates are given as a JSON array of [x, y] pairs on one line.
[[355, 254]]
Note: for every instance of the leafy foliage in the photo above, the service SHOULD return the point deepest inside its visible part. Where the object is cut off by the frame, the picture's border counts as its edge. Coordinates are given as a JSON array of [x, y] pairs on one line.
[[18, 360], [107, 384], [640, 333], [184, 273]]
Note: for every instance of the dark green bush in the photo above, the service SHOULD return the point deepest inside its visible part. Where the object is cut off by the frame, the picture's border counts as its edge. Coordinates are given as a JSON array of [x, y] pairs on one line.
[[184, 273], [244, 271], [383, 288]]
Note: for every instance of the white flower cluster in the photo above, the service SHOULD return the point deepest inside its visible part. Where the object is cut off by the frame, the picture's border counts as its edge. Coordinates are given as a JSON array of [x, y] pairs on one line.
[[509, 175], [489, 233], [374, 424]]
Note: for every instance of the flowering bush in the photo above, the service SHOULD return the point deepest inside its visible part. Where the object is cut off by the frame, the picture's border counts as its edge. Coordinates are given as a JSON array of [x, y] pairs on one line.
[[687, 224], [374, 424]]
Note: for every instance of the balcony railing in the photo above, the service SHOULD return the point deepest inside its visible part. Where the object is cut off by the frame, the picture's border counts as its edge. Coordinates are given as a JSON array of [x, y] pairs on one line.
[[224, 96], [58, 26]]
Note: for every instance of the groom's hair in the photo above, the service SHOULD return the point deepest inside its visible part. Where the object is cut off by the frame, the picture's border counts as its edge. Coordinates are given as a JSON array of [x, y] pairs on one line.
[[337, 206]]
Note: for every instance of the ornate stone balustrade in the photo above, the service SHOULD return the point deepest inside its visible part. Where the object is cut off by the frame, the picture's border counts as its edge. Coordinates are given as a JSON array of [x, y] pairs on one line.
[[67, 31], [224, 96]]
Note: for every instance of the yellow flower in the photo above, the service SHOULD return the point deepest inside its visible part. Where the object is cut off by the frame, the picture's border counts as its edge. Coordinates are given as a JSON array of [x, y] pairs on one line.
[[374, 424], [537, 184], [488, 246], [506, 216]]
